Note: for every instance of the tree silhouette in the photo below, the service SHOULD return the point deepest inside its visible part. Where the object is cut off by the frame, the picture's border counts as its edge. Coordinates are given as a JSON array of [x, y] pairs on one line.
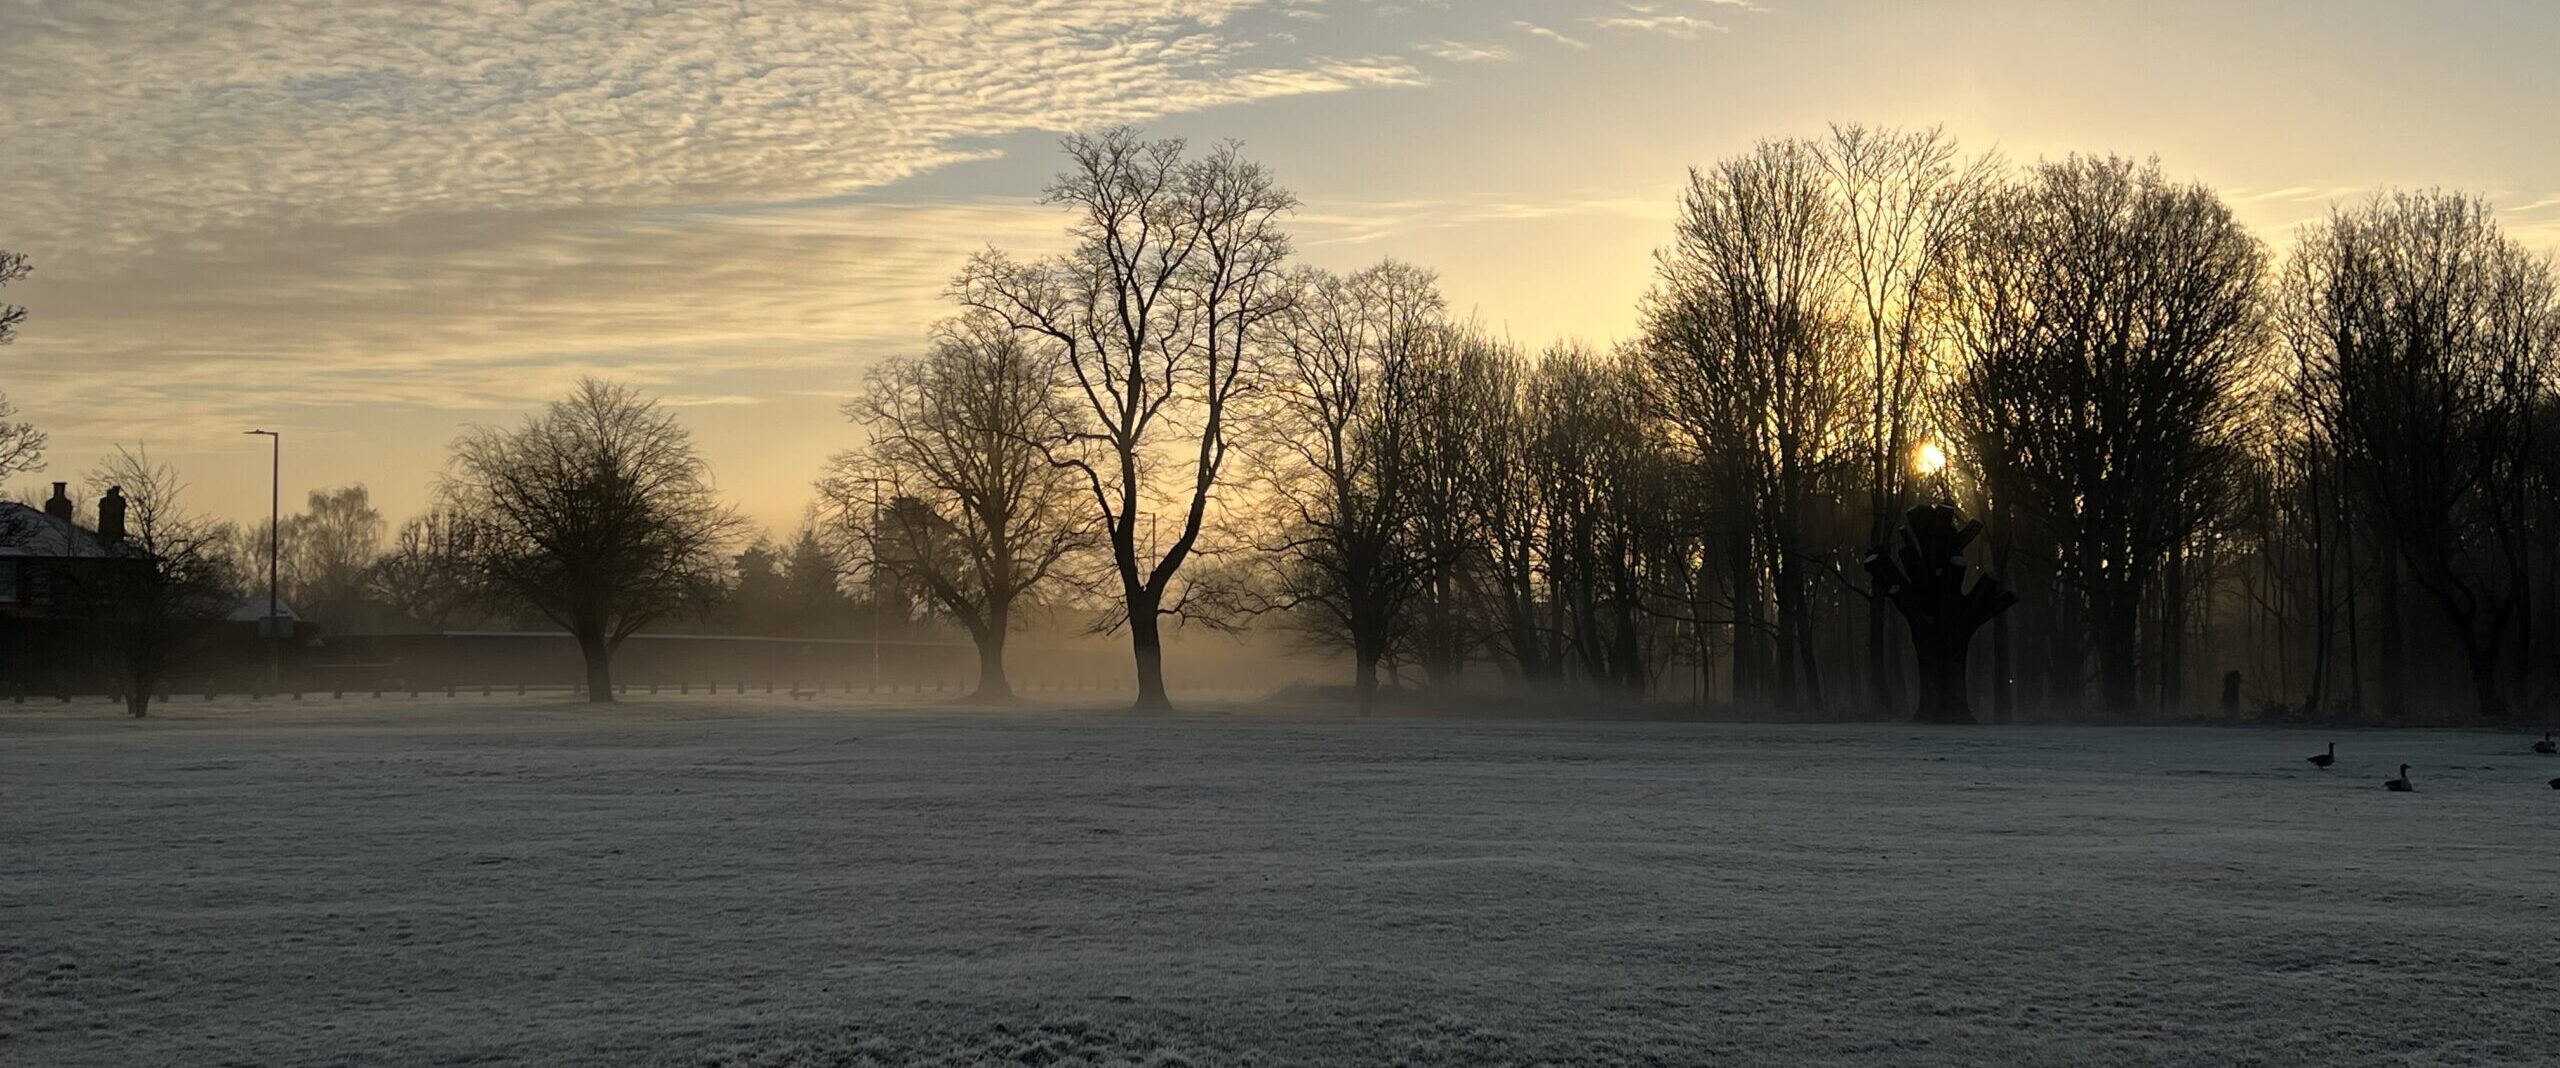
[[2423, 340], [1175, 275], [1749, 339], [598, 513], [987, 519], [2109, 325], [153, 592], [1342, 458], [1924, 579]]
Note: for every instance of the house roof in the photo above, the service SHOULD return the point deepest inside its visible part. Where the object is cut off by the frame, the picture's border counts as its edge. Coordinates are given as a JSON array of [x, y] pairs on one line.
[[29, 532], [254, 608]]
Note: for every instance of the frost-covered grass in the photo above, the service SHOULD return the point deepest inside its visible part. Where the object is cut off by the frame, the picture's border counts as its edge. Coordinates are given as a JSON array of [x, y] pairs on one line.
[[760, 882]]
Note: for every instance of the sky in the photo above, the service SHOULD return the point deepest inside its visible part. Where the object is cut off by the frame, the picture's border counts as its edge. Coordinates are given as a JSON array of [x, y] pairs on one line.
[[369, 224]]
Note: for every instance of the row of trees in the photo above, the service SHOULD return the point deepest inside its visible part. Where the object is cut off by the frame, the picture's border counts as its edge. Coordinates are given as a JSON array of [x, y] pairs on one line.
[[2176, 441]]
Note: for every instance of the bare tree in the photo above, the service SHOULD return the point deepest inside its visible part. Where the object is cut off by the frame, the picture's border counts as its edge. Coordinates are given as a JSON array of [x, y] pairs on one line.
[[21, 444], [1176, 271], [1905, 198], [162, 577], [986, 520], [2424, 340], [598, 513], [1600, 473], [1750, 341], [2110, 325], [430, 574], [1460, 416], [1343, 457], [339, 538], [325, 552]]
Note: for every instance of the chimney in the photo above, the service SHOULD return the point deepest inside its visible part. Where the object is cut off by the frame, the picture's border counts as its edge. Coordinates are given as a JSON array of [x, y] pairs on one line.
[[111, 515], [59, 506]]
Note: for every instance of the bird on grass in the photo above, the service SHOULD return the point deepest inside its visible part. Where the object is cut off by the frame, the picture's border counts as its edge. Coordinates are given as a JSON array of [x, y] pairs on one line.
[[2401, 784], [2322, 760], [2546, 746]]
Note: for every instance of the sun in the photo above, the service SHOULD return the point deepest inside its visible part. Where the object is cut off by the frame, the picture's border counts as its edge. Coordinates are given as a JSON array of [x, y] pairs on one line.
[[1928, 459]]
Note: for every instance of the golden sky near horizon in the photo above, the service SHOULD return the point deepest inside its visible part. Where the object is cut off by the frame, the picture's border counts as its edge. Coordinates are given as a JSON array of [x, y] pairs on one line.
[[368, 223]]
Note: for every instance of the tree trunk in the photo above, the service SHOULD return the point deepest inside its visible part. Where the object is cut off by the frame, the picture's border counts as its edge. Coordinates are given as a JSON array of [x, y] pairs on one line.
[[1366, 651], [993, 685], [1943, 653], [2390, 672], [599, 658], [2173, 631], [137, 694], [2118, 630], [2482, 658], [1440, 640], [1748, 663], [2004, 690], [1883, 667], [1146, 641]]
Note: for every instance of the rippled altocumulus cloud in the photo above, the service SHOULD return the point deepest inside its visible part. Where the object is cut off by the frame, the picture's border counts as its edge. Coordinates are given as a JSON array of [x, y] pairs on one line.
[[401, 202]]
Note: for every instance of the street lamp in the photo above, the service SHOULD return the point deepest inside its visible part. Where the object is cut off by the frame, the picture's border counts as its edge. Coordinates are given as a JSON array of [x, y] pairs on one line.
[[269, 625], [875, 583]]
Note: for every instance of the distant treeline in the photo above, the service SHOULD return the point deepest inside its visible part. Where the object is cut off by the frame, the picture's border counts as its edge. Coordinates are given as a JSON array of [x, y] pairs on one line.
[[2323, 469]]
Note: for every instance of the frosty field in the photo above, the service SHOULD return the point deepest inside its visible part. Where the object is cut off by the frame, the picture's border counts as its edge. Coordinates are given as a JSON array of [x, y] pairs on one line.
[[746, 881]]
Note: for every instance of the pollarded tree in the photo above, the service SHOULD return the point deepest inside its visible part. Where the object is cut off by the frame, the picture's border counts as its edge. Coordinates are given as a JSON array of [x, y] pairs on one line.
[[2110, 327], [2424, 339], [1155, 315], [597, 513], [985, 519]]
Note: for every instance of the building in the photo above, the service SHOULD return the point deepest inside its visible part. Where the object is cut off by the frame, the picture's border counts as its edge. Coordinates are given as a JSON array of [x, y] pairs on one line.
[[47, 560]]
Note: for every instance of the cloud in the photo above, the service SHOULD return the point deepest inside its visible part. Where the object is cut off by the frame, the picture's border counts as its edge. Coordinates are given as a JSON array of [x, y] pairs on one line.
[[484, 311], [136, 120], [377, 213], [1463, 52], [1543, 33]]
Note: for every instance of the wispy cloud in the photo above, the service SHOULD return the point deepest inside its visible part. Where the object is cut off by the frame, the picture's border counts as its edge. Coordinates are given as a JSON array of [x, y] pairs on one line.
[[1464, 52], [1545, 34]]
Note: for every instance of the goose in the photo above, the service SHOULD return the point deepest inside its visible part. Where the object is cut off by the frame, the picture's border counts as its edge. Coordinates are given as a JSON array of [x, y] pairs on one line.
[[2546, 746], [2401, 784], [2322, 760]]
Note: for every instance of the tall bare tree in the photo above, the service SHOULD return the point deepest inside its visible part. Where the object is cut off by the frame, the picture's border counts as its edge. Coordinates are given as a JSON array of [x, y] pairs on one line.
[[1751, 344], [2110, 326], [1156, 312], [598, 513], [954, 433], [1343, 457], [1905, 198], [2424, 340], [1461, 413]]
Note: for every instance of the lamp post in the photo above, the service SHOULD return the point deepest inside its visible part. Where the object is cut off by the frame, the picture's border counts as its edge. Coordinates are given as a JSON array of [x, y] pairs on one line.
[[268, 625], [872, 540]]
